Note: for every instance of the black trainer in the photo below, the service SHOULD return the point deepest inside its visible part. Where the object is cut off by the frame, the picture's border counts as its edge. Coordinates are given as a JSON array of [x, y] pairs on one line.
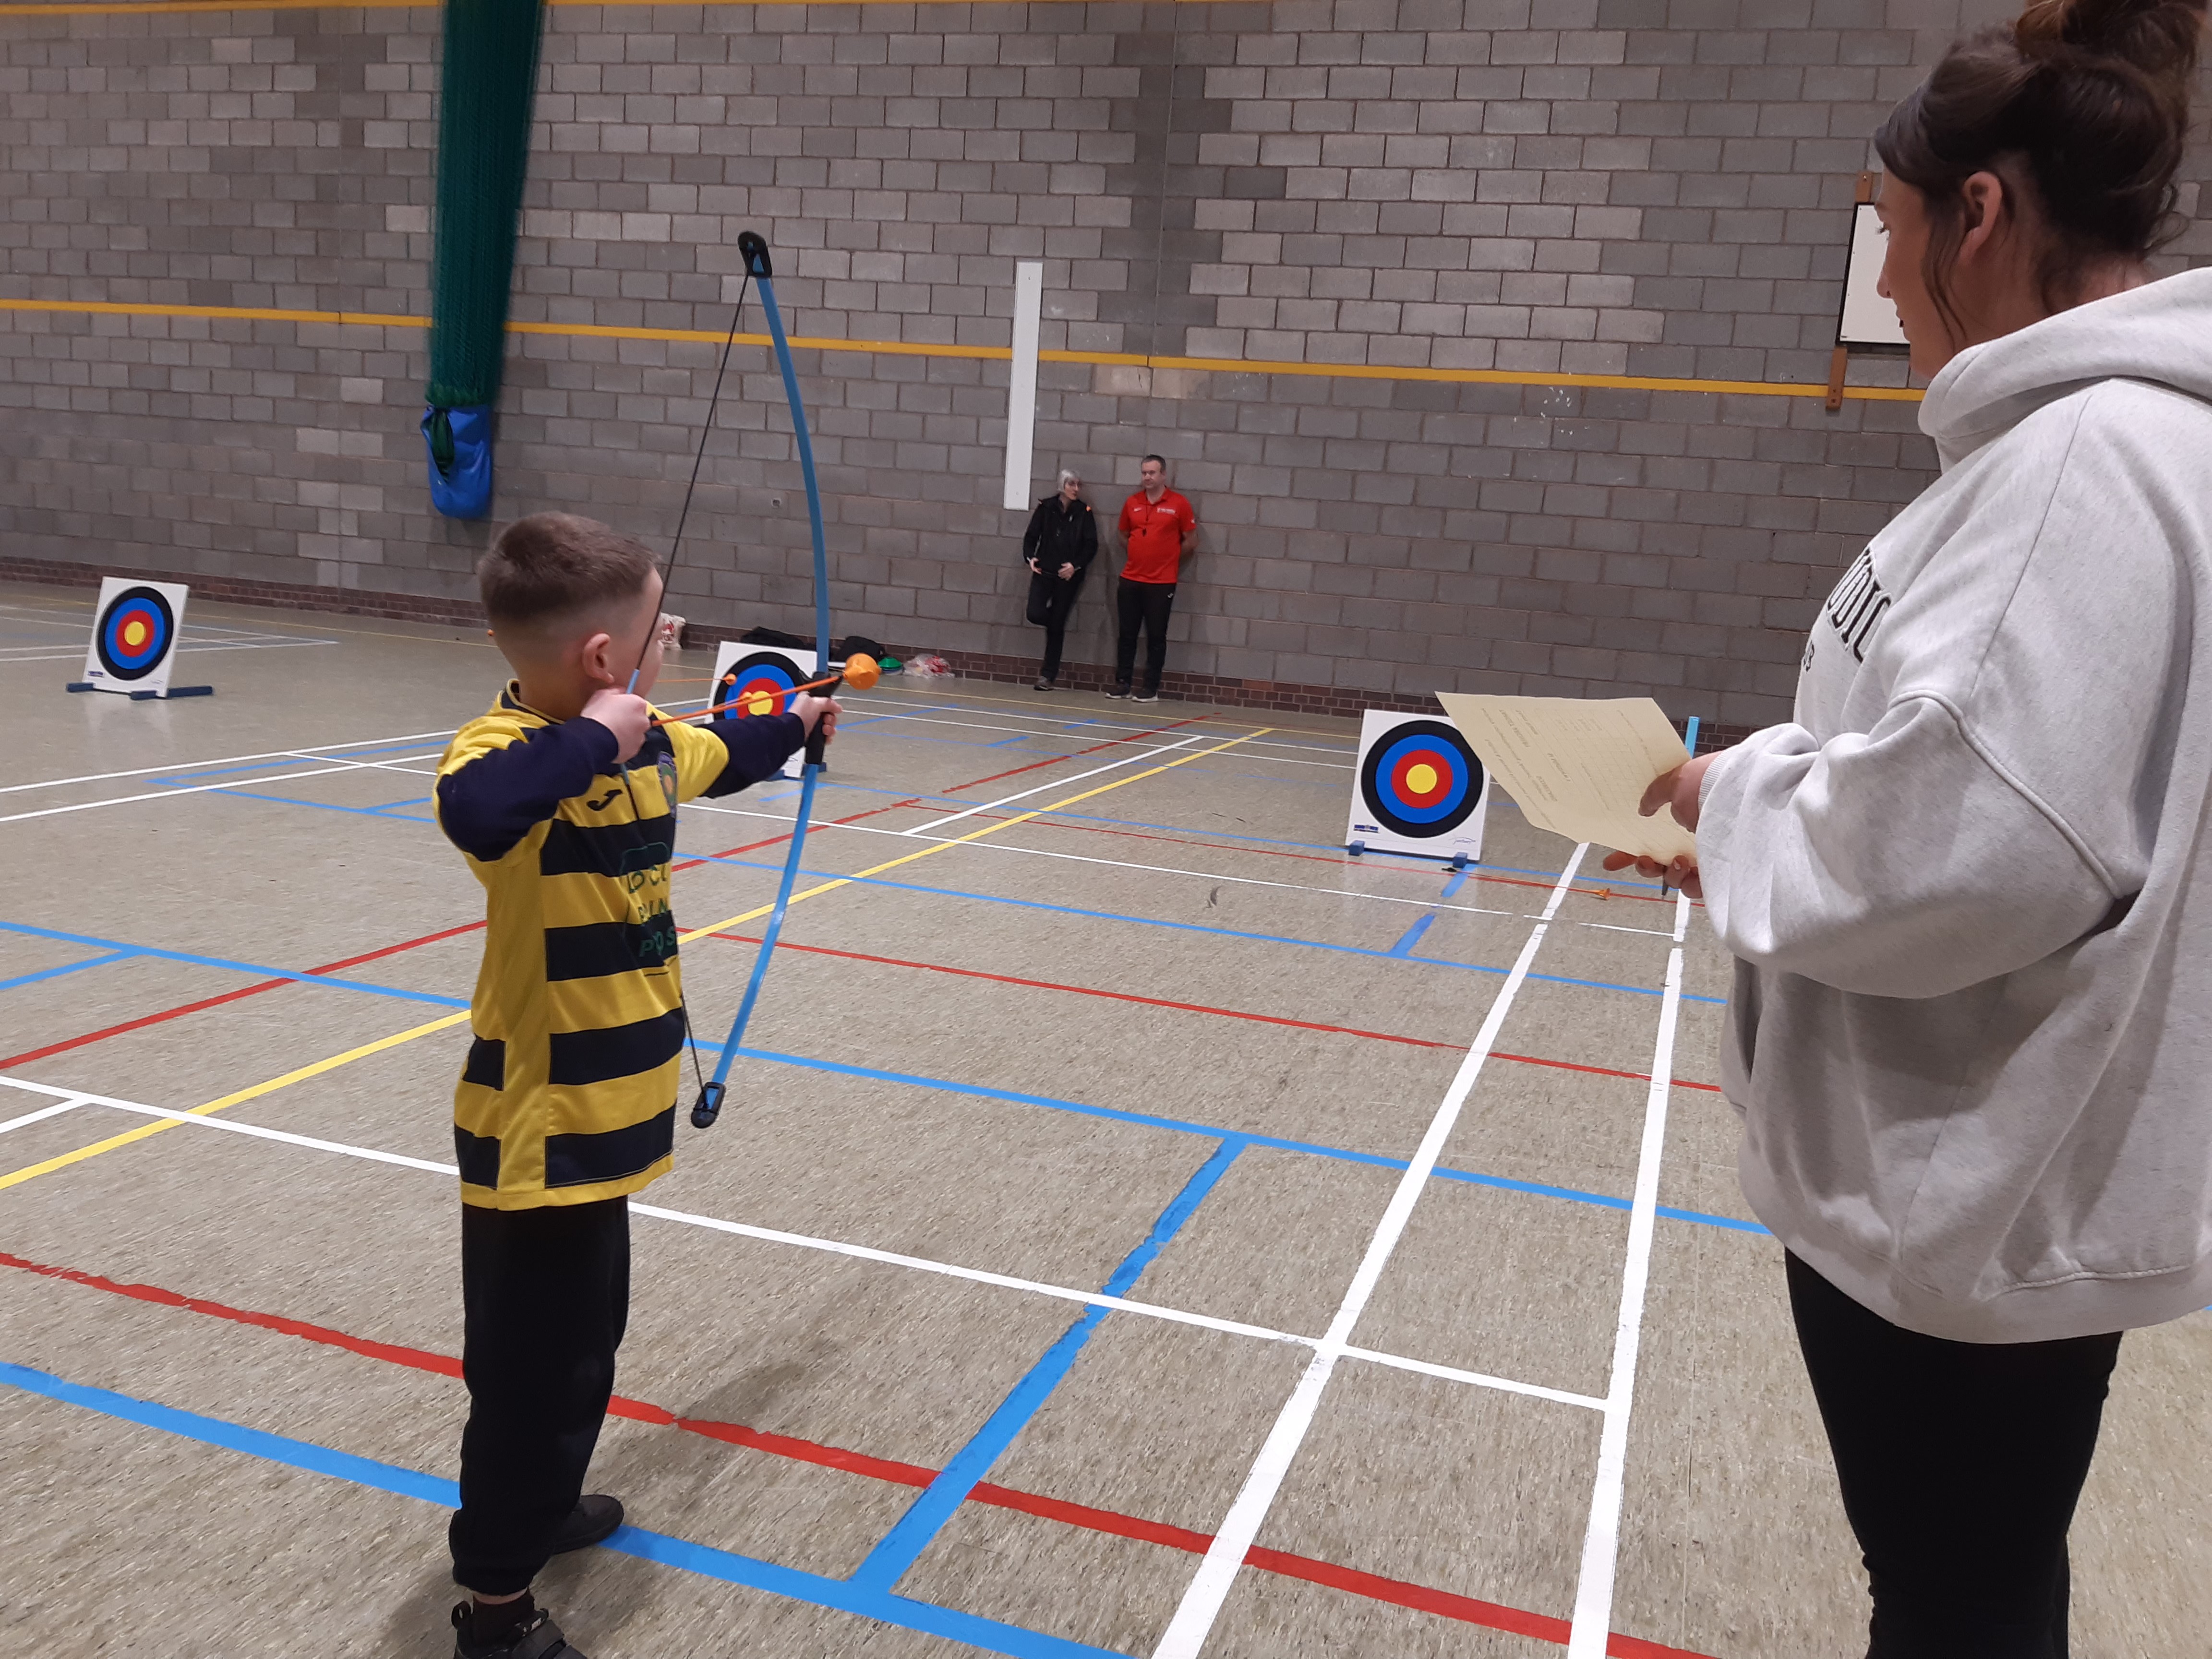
[[1117, 690], [592, 1521], [538, 1638], [1042, 684]]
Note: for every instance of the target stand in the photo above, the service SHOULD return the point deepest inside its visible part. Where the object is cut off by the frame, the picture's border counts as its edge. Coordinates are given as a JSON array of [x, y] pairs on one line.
[[1418, 788], [134, 641], [757, 677]]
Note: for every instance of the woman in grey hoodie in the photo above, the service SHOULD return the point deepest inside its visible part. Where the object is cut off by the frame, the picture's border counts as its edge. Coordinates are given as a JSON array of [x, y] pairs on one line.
[[1969, 887]]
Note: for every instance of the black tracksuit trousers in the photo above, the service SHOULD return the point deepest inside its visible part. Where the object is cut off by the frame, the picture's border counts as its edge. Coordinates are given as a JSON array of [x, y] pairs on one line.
[[546, 1295], [1960, 1464]]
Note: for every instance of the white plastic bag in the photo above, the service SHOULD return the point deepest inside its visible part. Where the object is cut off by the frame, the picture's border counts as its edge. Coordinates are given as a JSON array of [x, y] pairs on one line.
[[928, 667]]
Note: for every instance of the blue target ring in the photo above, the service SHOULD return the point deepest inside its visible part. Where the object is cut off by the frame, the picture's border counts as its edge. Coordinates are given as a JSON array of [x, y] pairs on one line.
[[1421, 781], [134, 634], [763, 674]]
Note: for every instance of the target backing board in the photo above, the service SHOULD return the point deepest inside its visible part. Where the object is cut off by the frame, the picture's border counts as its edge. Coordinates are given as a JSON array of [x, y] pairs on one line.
[[760, 672], [134, 636], [1417, 788]]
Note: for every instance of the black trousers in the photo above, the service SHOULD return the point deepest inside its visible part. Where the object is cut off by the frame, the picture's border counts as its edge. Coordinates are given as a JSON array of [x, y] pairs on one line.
[[1142, 605], [1960, 1464], [546, 1295], [1051, 602]]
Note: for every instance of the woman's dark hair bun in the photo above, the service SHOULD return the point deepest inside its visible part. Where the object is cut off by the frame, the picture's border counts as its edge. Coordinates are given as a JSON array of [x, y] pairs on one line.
[[2157, 37], [2083, 103]]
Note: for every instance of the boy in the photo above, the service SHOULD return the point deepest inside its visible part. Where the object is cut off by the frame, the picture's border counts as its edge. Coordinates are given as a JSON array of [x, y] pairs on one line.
[[563, 799]]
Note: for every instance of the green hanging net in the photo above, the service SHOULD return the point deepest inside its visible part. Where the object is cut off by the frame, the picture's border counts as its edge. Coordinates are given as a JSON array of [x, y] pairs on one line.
[[483, 151]]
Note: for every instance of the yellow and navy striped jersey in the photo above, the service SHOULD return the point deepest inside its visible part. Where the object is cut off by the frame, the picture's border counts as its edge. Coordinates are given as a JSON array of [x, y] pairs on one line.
[[569, 1092]]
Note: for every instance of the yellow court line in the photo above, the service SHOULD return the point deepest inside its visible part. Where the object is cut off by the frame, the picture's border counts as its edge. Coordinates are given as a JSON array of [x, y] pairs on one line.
[[1002, 354], [31, 1172], [977, 835]]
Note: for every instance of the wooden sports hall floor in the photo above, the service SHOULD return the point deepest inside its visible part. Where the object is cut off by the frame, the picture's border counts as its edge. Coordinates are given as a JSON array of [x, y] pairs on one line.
[[1065, 1186]]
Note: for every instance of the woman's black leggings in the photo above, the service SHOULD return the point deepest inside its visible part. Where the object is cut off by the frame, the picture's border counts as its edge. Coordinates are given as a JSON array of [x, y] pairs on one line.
[[1960, 1464], [1051, 602]]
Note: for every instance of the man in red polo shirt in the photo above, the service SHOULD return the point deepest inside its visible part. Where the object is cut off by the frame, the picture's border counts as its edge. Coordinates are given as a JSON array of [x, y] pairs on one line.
[[1159, 526]]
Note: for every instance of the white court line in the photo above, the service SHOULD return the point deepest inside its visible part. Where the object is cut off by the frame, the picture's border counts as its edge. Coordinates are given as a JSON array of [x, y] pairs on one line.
[[1209, 1587], [1116, 864], [1062, 728], [1601, 1539], [1056, 783], [195, 789], [835, 1247], [183, 645], [181, 768], [44, 1112]]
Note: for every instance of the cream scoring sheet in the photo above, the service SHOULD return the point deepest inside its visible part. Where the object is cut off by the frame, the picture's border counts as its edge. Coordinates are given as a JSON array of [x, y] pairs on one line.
[[1578, 766]]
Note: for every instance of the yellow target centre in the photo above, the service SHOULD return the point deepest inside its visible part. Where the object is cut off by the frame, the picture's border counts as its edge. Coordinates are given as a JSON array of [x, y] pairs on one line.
[[1421, 779], [134, 633], [760, 702]]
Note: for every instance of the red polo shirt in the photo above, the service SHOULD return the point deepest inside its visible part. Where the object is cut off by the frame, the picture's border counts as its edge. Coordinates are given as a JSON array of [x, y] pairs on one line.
[[1155, 536]]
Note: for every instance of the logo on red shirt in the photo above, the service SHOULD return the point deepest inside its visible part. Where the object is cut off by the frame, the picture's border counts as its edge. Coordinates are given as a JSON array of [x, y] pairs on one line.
[[1155, 533]]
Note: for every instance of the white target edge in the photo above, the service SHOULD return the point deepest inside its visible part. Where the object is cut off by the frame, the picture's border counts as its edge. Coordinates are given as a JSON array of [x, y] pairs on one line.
[[156, 679], [1464, 839]]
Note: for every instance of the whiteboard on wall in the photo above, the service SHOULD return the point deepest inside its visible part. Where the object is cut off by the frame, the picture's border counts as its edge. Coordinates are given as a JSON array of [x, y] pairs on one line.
[[1868, 319]]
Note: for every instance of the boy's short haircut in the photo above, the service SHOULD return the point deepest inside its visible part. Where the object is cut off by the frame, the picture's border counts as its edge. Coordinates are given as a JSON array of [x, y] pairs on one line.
[[552, 564]]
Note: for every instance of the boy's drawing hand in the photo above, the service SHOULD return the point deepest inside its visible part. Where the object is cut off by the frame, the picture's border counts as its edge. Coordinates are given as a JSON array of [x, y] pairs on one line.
[[625, 715], [810, 709]]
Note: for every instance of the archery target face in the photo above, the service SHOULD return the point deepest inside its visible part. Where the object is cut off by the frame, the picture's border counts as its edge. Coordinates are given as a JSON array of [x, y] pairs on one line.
[[134, 634], [758, 675], [1417, 788]]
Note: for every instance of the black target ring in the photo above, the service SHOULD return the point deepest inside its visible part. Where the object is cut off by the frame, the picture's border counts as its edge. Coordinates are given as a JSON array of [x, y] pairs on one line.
[[134, 634], [1447, 787]]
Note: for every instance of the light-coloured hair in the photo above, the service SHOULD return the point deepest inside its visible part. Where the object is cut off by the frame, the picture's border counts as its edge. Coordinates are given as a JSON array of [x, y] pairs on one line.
[[1066, 479]]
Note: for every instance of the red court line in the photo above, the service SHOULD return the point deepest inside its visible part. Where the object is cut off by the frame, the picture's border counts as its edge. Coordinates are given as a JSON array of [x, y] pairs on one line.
[[182, 1009], [1466, 1609], [1341, 862], [1054, 760], [1201, 1008], [144, 1020]]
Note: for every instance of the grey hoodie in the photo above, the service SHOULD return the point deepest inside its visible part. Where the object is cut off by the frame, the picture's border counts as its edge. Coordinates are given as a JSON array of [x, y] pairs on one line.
[[1970, 888]]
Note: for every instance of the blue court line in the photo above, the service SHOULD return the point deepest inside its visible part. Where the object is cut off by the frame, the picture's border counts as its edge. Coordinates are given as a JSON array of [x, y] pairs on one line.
[[254, 968], [702, 1559], [1411, 936], [1199, 927], [1402, 951], [1458, 881], [926, 1517], [122, 955], [1214, 1131], [279, 762], [333, 806]]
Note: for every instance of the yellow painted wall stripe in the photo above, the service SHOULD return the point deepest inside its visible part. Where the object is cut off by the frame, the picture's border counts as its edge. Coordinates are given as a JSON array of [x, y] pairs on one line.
[[16, 1178], [31, 1172], [1001, 354]]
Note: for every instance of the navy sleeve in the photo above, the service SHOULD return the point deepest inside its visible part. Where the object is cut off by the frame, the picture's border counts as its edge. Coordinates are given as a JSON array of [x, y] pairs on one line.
[[487, 804], [758, 745]]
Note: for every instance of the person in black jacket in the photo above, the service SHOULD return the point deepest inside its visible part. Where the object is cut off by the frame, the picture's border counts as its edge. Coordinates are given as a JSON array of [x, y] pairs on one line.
[[1058, 547]]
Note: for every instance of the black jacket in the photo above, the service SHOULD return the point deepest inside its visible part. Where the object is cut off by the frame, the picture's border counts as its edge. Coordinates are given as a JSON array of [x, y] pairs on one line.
[[1056, 537]]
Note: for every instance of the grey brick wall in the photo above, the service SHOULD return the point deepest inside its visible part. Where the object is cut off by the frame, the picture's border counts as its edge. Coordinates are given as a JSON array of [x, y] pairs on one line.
[[1644, 188]]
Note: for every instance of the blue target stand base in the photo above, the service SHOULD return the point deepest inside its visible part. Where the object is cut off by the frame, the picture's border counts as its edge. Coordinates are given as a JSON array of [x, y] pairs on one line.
[[148, 697]]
